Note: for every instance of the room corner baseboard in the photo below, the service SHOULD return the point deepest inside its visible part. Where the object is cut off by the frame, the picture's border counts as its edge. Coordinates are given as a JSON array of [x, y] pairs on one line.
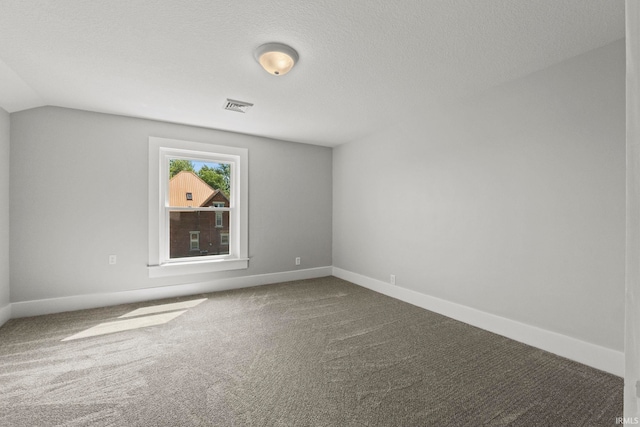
[[81, 302], [5, 314], [589, 354]]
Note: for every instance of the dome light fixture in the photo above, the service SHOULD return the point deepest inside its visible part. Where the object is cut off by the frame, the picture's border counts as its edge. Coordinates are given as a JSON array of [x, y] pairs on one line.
[[276, 58]]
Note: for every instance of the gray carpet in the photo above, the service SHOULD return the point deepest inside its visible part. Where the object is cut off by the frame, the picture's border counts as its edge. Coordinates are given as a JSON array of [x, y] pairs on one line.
[[320, 352]]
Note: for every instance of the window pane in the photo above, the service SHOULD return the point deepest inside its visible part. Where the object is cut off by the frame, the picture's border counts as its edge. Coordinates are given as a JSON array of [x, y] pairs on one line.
[[193, 234], [194, 183]]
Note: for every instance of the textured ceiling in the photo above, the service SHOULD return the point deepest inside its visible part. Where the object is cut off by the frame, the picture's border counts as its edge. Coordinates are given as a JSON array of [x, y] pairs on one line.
[[364, 64]]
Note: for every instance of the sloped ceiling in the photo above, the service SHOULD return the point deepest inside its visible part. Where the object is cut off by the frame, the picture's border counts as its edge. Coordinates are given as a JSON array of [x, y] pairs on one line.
[[364, 64]]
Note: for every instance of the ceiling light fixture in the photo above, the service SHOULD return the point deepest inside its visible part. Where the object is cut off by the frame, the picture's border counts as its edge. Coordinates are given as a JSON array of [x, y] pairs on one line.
[[276, 58]]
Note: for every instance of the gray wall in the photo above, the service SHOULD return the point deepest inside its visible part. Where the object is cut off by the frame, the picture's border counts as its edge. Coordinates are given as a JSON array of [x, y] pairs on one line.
[[512, 203], [79, 193], [4, 208]]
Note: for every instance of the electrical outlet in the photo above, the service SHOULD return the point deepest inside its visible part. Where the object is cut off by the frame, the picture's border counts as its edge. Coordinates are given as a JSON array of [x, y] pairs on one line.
[[298, 260], [392, 279], [112, 259]]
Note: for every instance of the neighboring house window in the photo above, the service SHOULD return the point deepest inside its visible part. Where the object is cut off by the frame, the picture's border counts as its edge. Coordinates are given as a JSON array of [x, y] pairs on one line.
[[194, 240], [224, 238], [172, 220], [218, 214]]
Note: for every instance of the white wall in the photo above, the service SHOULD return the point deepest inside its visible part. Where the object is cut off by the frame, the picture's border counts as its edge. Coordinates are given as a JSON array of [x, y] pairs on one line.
[[4, 216], [632, 312], [79, 193], [512, 203]]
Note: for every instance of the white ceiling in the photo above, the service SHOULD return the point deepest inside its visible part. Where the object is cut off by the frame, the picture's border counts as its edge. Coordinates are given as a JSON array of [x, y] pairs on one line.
[[364, 64]]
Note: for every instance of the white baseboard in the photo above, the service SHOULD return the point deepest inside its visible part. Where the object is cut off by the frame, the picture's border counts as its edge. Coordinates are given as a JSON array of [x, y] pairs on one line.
[[5, 314], [589, 354], [81, 302]]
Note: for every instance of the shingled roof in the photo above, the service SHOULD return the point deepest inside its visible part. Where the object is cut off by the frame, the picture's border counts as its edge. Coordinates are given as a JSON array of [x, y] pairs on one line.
[[187, 182]]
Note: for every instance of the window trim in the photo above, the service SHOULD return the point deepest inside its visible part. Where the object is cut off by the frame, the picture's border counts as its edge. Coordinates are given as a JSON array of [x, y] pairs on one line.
[[160, 149]]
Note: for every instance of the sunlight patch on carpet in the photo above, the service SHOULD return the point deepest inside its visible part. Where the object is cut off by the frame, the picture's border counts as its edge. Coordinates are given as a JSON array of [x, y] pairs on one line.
[[163, 307], [126, 325]]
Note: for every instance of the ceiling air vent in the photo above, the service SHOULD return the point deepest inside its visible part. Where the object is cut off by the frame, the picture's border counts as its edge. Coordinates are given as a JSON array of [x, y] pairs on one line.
[[239, 106]]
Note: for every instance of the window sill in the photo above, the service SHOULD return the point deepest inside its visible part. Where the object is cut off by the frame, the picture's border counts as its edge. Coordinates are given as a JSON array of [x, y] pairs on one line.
[[196, 267]]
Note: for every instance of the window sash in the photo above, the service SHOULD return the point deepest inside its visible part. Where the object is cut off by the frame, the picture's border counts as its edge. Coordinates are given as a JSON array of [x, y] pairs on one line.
[[167, 228], [173, 154]]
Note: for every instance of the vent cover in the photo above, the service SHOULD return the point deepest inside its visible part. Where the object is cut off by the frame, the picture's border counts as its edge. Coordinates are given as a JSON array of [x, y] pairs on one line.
[[238, 106]]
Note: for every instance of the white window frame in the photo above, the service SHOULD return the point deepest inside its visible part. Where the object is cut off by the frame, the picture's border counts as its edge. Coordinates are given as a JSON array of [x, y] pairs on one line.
[[160, 151]]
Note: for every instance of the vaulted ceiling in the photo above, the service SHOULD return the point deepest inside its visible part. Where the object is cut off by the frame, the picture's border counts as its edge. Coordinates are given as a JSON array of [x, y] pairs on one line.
[[364, 64]]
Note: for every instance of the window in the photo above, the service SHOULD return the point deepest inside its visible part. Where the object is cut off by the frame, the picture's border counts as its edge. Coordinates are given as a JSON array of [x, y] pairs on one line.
[[194, 240], [209, 233], [224, 238], [219, 215]]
